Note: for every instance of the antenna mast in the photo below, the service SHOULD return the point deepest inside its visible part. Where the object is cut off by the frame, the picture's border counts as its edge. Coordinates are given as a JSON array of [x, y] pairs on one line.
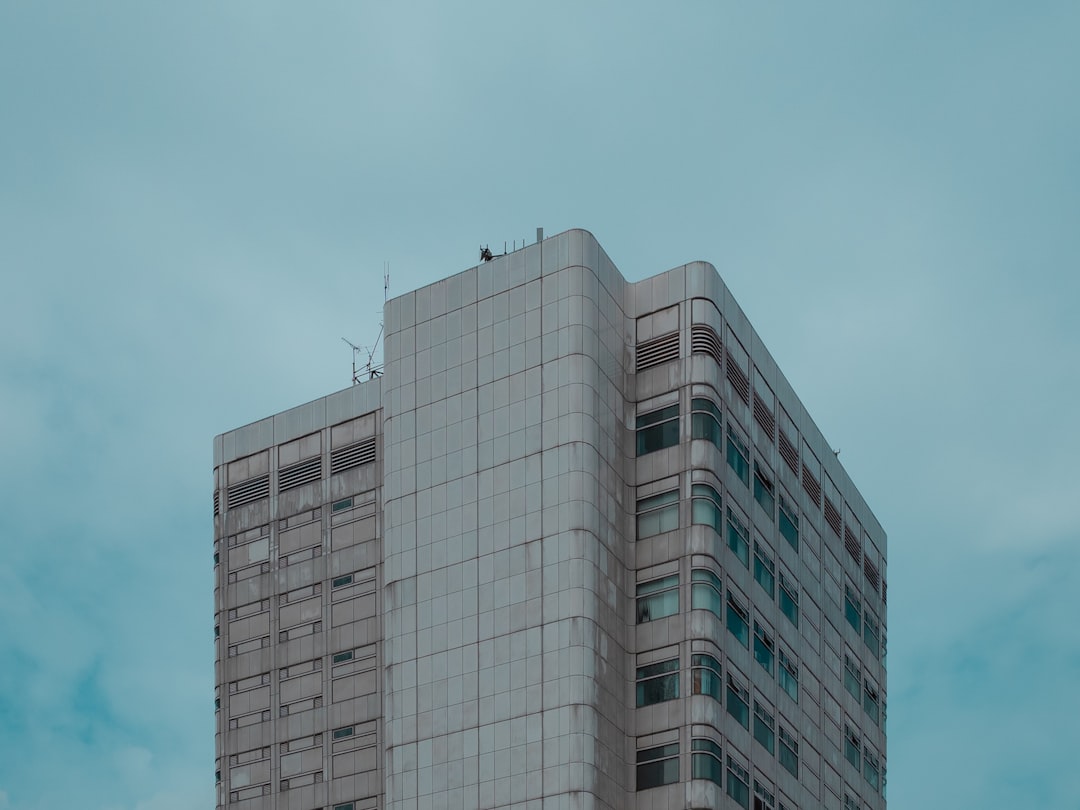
[[371, 368]]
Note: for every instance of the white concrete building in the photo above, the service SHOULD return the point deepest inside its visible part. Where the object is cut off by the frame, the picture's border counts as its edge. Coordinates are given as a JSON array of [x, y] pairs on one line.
[[581, 546]]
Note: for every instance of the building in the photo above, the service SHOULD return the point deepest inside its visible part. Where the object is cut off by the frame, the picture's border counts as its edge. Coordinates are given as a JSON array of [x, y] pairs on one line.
[[580, 546]]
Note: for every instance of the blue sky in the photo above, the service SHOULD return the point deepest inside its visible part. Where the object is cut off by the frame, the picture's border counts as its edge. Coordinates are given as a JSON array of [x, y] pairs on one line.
[[197, 200]]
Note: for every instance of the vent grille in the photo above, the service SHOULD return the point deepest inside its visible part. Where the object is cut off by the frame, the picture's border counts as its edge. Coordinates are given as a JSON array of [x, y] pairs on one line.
[[703, 340], [353, 455], [871, 573], [764, 416], [297, 475], [217, 503], [832, 516], [657, 351], [248, 491], [788, 453], [812, 486], [851, 543], [884, 591], [738, 379]]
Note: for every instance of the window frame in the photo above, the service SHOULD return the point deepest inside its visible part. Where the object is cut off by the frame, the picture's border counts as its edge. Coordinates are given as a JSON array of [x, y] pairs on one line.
[[764, 490], [705, 750], [665, 585], [704, 413], [789, 514], [853, 607], [764, 565], [766, 723], [656, 423], [790, 744], [789, 589], [738, 775], [705, 669], [737, 616], [660, 507], [707, 496], [787, 673], [649, 675], [738, 539], [662, 755], [736, 692], [706, 582], [738, 451], [764, 647]]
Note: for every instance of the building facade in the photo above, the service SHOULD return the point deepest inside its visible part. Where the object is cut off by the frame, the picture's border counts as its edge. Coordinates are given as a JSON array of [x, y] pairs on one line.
[[580, 546]]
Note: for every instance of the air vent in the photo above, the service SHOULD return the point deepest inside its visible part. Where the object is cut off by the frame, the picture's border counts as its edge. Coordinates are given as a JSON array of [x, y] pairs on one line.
[[871, 573], [764, 416], [353, 455], [788, 453], [884, 590], [738, 379], [657, 351], [832, 516], [248, 491], [217, 503], [812, 486], [703, 340], [851, 543], [297, 475]]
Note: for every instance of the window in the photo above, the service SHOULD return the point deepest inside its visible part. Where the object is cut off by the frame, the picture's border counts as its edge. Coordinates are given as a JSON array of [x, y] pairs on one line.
[[343, 504], [737, 456], [852, 677], [870, 633], [658, 513], [851, 802], [763, 797], [657, 598], [788, 675], [705, 591], [738, 701], [852, 607], [738, 783], [763, 647], [764, 570], [705, 507], [738, 539], [658, 766], [763, 728], [658, 682], [346, 806], [340, 657], [789, 522], [705, 676], [763, 491], [871, 769], [705, 421], [657, 430], [852, 746], [706, 761], [342, 581], [870, 702], [789, 599], [340, 733], [789, 752], [737, 621]]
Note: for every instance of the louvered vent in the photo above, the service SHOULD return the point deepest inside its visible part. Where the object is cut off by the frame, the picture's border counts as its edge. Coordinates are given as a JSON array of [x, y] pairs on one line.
[[832, 516], [217, 503], [703, 340], [871, 573], [812, 486], [658, 350], [738, 379], [884, 591], [851, 543], [789, 453], [353, 455], [764, 416], [297, 475], [248, 491]]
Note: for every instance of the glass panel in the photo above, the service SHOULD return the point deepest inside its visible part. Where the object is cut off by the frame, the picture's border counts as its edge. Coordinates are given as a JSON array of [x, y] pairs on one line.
[[852, 609], [763, 570], [737, 706], [764, 734], [736, 622], [703, 426], [659, 436], [662, 415], [738, 539], [705, 591], [763, 493], [789, 606], [737, 457], [705, 676], [738, 790], [788, 529], [706, 766], [763, 653]]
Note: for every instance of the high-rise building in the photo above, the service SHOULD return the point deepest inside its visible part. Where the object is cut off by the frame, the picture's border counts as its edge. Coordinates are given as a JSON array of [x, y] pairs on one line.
[[579, 546]]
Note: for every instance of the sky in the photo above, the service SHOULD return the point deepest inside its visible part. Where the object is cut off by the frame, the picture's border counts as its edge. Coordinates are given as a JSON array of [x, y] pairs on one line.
[[197, 202]]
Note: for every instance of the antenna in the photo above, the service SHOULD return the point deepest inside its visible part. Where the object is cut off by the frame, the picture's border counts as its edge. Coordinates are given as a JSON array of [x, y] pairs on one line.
[[371, 368]]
